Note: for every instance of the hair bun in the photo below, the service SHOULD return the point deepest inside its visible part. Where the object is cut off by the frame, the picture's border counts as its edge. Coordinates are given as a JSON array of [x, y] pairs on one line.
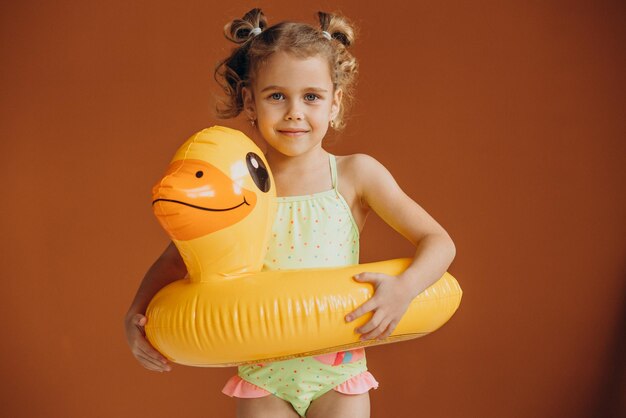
[[239, 30], [339, 27]]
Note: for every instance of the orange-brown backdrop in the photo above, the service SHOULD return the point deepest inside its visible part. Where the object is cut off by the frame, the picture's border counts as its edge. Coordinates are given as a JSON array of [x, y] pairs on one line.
[[504, 120]]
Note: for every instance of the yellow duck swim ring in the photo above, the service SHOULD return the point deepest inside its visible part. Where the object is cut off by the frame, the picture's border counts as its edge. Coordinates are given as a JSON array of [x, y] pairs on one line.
[[217, 202]]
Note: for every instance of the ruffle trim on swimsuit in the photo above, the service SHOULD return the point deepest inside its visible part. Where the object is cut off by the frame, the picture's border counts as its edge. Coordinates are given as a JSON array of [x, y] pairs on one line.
[[240, 388], [358, 384]]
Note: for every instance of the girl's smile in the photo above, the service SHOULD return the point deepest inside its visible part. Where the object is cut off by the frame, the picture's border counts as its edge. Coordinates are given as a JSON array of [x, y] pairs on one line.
[[293, 133]]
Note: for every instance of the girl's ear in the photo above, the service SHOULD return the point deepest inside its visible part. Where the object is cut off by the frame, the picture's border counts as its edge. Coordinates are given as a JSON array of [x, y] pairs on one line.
[[334, 108], [248, 103]]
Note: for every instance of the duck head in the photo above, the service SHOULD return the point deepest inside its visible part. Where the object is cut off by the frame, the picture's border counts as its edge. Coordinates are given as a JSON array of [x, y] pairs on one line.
[[217, 203]]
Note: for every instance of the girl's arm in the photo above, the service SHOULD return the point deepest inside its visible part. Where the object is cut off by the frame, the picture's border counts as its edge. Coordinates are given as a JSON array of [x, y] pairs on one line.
[[167, 268], [435, 250]]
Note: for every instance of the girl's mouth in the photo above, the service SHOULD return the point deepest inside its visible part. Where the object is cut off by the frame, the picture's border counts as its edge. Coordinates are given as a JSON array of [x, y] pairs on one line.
[[293, 133]]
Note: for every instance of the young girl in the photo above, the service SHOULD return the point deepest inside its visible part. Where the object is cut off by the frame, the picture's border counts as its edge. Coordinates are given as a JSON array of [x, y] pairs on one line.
[[293, 81]]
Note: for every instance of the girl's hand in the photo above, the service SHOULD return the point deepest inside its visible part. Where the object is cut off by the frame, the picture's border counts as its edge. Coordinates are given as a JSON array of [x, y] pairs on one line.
[[389, 303], [141, 348]]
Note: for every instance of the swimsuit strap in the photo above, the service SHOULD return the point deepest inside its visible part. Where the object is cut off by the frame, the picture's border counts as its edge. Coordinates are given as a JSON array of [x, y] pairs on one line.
[[333, 171]]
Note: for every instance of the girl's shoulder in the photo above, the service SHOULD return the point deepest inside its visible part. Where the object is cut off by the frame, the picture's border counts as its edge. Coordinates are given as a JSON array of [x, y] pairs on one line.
[[363, 174], [360, 166], [357, 162]]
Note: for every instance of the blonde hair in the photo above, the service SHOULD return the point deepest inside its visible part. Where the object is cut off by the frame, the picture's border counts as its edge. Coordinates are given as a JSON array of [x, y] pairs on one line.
[[300, 39]]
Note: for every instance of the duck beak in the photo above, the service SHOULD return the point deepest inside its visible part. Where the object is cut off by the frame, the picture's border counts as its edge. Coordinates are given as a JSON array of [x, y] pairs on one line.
[[194, 199]]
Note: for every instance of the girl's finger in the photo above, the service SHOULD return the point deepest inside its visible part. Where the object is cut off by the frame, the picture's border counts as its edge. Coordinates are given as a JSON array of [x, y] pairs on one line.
[[387, 331], [150, 352], [374, 323], [362, 310], [139, 320], [370, 277], [147, 360], [147, 354], [376, 331], [148, 363]]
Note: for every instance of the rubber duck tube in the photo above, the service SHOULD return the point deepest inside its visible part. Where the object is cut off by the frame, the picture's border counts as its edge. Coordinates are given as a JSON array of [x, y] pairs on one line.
[[217, 203]]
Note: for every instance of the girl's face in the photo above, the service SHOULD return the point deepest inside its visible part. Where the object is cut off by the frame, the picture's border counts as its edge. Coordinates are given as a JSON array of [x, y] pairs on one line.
[[292, 100]]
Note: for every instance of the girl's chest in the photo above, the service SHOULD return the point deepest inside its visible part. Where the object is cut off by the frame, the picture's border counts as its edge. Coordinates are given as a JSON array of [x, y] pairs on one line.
[[309, 185]]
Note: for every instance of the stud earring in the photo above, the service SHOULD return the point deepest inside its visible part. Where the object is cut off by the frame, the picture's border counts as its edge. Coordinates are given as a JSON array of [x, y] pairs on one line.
[[332, 124], [252, 122]]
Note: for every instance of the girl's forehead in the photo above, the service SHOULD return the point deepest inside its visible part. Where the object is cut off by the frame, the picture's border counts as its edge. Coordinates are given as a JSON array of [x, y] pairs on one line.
[[283, 69]]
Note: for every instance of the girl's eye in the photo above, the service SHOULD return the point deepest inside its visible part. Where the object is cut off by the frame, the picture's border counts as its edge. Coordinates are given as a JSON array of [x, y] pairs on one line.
[[309, 97]]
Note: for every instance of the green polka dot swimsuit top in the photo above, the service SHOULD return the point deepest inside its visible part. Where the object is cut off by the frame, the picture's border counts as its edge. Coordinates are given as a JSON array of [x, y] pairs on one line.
[[315, 230]]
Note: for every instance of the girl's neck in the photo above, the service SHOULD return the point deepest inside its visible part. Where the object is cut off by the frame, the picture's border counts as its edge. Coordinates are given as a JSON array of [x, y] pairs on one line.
[[307, 162]]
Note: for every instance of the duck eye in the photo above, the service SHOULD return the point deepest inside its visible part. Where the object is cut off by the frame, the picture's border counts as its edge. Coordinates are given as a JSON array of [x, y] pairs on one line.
[[258, 172], [199, 174]]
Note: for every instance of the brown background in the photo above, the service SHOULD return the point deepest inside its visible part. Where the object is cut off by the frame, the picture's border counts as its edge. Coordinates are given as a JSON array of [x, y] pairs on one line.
[[504, 120]]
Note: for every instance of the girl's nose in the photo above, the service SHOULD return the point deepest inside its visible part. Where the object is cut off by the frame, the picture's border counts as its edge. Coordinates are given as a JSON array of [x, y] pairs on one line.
[[294, 114]]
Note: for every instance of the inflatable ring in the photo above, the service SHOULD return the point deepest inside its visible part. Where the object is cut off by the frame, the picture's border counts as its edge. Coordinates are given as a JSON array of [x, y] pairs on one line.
[[217, 203]]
